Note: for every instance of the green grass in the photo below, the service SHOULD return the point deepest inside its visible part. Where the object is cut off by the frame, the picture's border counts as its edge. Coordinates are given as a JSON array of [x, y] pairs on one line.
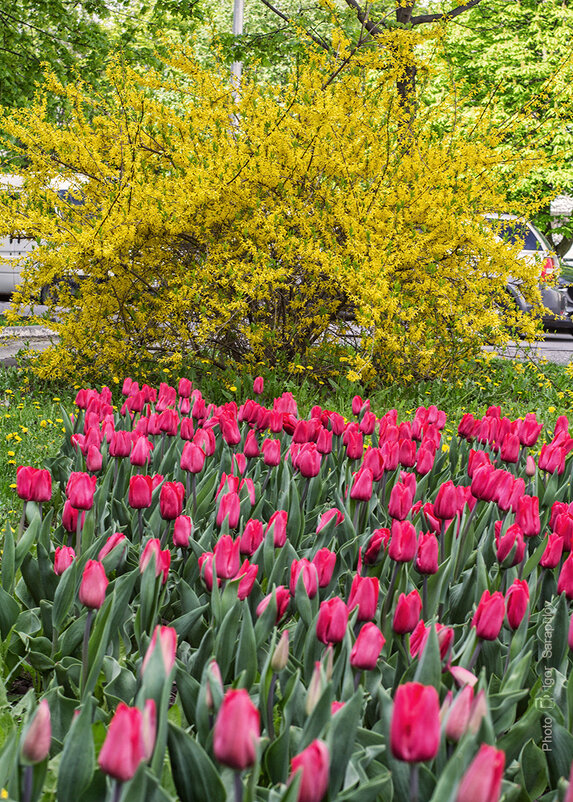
[[31, 421]]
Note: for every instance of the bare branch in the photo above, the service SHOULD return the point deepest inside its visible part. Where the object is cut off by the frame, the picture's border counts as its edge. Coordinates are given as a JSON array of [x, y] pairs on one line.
[[316, 39], [455, 12]]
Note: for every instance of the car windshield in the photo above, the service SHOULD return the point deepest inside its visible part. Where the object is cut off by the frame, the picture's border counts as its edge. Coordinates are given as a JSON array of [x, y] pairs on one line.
[[520, 234]]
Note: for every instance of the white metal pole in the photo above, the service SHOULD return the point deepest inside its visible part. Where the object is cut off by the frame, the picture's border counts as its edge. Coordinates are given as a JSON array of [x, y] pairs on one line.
[[237, 66]]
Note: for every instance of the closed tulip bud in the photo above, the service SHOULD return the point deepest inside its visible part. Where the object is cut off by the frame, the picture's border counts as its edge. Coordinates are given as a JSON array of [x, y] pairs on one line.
[[315, 689], [182, 531], [552, 459], [563, 526], [367, 648], [368, 423], [489, 615], [427, 554], [192, 457], [324, 561], [510, 447], [278, 525], [93, 585], [227, 557], [400, 502], [309, 575], [229, 510], [171, 497], [38, 738], [214, 684], [63, 558], [282, 596], [403, 542], [462, 676], [425, 460], [186, 429], [258, 385], [252, 537], [309, 460], [361, 489], [124, 747], [313, 765], [354, 441], [94, 459], [407, 613], [328, 516], [141, 452], [237, 730], [415, 724], [324, 441], [271, 450], [446, 503], [239, 463], [482, 780], [140, 490], [459, 714], [478, 712], [205, 563], [80, 490], [553, 551], [332, 621], [247, 575], [166, 638], [364, 595], [565, 581], [517, 599], [279, 659]]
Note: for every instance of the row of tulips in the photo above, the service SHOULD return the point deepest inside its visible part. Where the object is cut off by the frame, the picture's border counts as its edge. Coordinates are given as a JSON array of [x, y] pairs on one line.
[[226, 602]]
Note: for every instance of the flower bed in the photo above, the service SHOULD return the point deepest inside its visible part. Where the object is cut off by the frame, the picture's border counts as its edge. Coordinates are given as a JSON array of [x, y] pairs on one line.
[[213, 602]]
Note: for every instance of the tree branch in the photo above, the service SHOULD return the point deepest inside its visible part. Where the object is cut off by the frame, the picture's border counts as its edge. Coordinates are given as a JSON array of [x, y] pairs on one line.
[[455, 12], [316, 39]]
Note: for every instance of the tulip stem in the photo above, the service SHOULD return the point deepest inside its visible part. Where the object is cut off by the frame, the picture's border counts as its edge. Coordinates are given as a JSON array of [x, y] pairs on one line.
[[140, 523], [463, 537], [194, 491], [356, 517], [304, 492], [22, 525], [270, 707], [117, 791], [85, 649], [238, 787], [414, 782], [28, 783], [388, 599], [425, 597], [475, 655]]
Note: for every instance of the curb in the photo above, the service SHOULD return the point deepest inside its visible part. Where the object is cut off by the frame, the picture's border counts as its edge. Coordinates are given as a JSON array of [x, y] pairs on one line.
[[14, 338]]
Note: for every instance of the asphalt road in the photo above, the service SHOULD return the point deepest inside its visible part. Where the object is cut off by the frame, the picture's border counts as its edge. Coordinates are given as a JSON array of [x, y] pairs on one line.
[[556, 348]]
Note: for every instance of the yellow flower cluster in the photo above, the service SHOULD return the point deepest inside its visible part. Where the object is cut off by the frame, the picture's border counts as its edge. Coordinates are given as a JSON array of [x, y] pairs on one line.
[[279, 227]]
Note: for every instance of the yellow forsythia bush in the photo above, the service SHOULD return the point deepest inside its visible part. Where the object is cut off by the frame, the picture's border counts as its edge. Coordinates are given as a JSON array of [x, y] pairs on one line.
[[276, 226]]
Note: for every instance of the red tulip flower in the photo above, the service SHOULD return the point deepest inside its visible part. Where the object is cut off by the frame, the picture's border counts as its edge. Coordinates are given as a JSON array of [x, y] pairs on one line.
[[33, 484], [332, 621], [227, 557], [446, 503], [482, 780], [527, 515], [367, 648], [516, 600], [400, 502], [182, 531], [125, 746], [403, 542], [93, 585], [80, 490], [229, 509], [63, 558], [237, 730], [171, 498], [324, 560], [162, 559], [278, 524], [258, 385], [565, 581], [140, 490], [252, 537], [407, 613], [489, 615], [271, 450], [513, 537], [378, 541], [553, 551], [282, 596], [192, 457], [38, 737], [309, 577], [364, 595], [361, 489], [415, 725], [313, 764], [427, 554], [166, 637]]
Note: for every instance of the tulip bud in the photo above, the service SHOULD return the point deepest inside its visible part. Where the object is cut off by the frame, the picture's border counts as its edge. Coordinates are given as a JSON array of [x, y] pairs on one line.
[[63, 558], [171, 497], [80, 490], [367, 647], [459, 714], [278, 524], [167, 638], [332, 621], [553, 551], [314, 689], [309, 575], [565, 581], [182, 531], [36, 743], [324, 560], [517, 599], [93, 585], [482, 780], [140, 490], [407, 613], [280, 654], [313, 764], [489, 615], [237, 730], [364, 595], [124, 747], [258, 385]]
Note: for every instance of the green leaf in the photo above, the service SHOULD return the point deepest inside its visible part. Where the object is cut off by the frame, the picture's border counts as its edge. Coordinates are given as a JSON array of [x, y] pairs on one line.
[[64, 596], [196, 777], [533, 774], [78, 757], [246, 659], [429, 670], [9, 611], [341, 738], [8, 559]]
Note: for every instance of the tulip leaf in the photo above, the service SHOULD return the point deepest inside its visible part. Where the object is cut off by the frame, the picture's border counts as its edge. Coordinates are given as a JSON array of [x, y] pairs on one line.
[[533, 774], [8, 559], [559, 757], [429, 670], [185, 622], [520, 732], [446, 787], [78, 757], [195, 776], [378, 787], [225, 642], [341, 738], [9, 611], [276, 757], [318, 719], [246, 659], [24, 545]]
